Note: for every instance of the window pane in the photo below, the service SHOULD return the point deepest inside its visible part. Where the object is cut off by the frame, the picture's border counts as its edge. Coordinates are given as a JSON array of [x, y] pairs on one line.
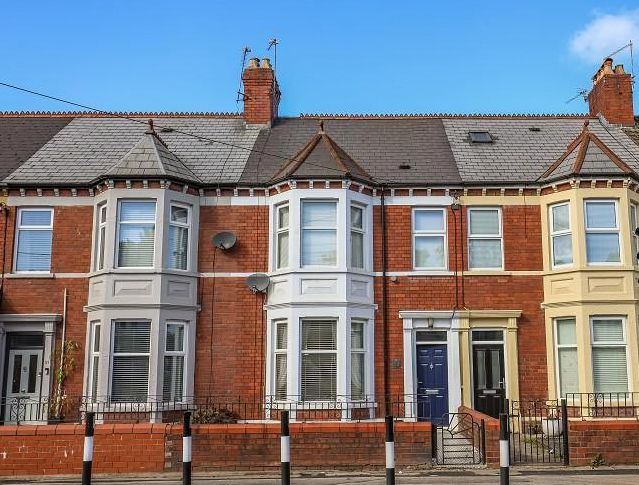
[[429, 252], [132, 337], [607, 330], [633, 227], [130, 378], [562, 250], [487, 336], [35, 218], [173, 377], [357, 217], [281, 337], [319, 214], [429, 220], [179, 214], [431, 336], [101, 248], [566, 332], [600, 215], [568, 371], [485, 222], [484, 253], [357, 250], [282, 220], [103, 212], [609, 369], [357, 376], [602, 248], [137, 211], [34, 250], [282, 250], [561, 218], [96, 338], [280, 376], [357, 335], [136, 245], [178, 247], [319, 377], [33, 373], [319, 248], [174, 337], [319, 335], [94, 376]]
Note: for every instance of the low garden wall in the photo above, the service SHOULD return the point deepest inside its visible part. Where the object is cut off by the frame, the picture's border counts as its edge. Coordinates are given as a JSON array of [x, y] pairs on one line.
[[617, 441]]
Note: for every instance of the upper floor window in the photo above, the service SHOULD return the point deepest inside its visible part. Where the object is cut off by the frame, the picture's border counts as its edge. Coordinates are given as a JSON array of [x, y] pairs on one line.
[[609, 362], [429, 238], [357, 236], [101, 237], [560, 234], [282, 222], [136, 234], [633, 234], [602, 232], [319, 233], [179, 225], [33, 239], [485, 238]]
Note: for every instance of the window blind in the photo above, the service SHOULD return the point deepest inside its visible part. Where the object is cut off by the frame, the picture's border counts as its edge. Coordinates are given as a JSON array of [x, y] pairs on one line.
[[609, 330], [130, 369], [136, 234], [34, 237], [484, 222], [610, 373], [319, 360], [319, 233], [173, 377]]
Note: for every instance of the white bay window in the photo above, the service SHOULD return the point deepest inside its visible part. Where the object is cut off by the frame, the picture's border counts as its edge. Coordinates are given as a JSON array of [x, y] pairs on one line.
[[560, 235], [282, 250], [281, 358], [136, 234], [319, 233], [358, 360], [94, 359], [357, 236], [602, 232], [319, 360], [174, 361]]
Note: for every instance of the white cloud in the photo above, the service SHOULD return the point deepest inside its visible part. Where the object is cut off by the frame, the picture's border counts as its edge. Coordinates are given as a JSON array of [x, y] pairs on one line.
[[605, 34]]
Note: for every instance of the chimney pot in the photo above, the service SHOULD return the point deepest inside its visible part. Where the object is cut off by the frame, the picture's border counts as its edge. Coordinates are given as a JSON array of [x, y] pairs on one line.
[[611, 94], [266, 63], [619, 69], [253, 63], [261, 92]]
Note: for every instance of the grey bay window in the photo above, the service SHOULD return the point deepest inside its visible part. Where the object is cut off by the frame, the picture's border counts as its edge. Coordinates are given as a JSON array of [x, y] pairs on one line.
[[560, 235], [485, 245], [357, 236], [319, 233], [602, 232], [94, 359], [101, 237], [34, 234], [179, 227], [174, 361], [609, 361], [130, 361], [136, 234], [281, 346], [429, 238], [282, 222], [358, 360], [319, 360]]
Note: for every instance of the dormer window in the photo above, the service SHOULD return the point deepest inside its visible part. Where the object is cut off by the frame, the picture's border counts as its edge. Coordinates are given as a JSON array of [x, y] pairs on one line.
[[319, 233], [136, 234]]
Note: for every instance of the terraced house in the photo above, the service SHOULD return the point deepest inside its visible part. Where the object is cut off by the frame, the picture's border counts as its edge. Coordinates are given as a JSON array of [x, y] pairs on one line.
[[408, 263]]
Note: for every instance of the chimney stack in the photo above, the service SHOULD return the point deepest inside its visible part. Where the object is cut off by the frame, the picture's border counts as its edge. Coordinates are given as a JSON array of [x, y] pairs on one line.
[[611, 94], [261, 92]]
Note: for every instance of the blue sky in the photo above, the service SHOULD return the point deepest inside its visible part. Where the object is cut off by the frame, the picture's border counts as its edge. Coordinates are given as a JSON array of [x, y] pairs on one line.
[[334, 57]]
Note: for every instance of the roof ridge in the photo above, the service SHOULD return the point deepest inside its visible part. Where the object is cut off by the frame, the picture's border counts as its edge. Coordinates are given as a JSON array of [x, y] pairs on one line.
[[111, 114], [391, 116]]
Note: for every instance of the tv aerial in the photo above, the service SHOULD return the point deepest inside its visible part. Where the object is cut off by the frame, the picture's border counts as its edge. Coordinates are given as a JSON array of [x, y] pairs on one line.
[[240, 94], [582, 92]]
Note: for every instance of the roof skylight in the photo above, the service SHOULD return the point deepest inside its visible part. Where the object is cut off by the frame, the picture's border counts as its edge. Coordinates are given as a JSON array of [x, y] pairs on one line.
[[480, 137]]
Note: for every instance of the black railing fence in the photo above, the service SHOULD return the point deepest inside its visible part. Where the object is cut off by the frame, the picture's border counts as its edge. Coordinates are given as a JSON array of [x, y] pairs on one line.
[[210, 409], [603, 405]]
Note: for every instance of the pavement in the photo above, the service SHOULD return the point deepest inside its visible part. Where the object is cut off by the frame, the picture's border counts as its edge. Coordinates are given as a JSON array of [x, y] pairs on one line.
[[520, 475]]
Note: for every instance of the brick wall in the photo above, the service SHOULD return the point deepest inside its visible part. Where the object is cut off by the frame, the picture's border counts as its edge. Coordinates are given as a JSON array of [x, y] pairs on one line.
[[616, 440], [130, 448], [491, 425]]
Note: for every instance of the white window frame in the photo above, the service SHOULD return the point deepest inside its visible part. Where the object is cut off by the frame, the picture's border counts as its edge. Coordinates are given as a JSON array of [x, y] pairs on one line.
[[610, 230], [499, 236], [280, 351], [189, 233], [100, 248], [634, 213], [94, 380], [117, 235], [624, 345], [435, 233], [176, 353], [282, 230], [148, 354], [554, 234], [20, 227], [360, 351], [559, 346], [357, 230], [322, 228], [335, 351]]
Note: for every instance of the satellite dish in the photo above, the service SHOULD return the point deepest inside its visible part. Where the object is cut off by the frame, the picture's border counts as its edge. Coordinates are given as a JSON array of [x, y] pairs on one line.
[[258, 282], [224, 240]]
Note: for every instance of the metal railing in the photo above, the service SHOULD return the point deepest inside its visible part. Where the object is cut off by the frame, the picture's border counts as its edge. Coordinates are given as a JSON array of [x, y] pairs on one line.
[[603, 405], [210, 409]]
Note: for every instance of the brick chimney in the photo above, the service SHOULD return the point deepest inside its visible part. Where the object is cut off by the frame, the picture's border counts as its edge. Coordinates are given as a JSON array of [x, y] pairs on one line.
[[261, 92], [611, 94]]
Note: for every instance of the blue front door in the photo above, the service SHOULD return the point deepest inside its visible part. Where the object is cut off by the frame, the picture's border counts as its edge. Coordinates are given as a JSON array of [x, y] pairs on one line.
[[432, 382]]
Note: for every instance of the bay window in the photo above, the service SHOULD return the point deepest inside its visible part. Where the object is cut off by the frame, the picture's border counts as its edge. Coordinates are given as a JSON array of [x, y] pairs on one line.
[[281, 348], [358, 359], [633, 235], [602, 232], [485, 245], [282, 222], [609, 362], [101, 237], [319, 360], [319, 233], [560, 235], [179, 225], [130, 361], [357, 236], [429, 238], [136, 234], [174, 361], [34, 234], [94, 359], [566, 356]]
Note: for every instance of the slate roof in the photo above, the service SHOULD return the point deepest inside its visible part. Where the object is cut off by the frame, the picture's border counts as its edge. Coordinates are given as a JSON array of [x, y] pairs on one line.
[[151, 157], [321, 155], [20, 138]]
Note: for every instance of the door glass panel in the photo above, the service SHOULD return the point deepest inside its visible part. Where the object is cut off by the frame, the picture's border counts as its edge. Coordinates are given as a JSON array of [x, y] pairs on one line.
[[17, 370], [495, 369], [481, 369], [431, 336], [33, 373], [487, 336]]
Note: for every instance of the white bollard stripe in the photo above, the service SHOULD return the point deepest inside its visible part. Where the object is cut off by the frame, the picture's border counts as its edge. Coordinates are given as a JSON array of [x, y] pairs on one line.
[[88, 448], [286, 449], [187, 450], [504, 453], [390, 454]]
